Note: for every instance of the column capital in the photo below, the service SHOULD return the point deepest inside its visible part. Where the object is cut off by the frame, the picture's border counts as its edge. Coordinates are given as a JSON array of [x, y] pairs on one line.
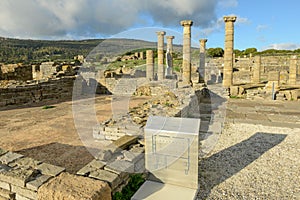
[[229, 18], [203, 40], [186, 23], [160, 33], [170, 37]]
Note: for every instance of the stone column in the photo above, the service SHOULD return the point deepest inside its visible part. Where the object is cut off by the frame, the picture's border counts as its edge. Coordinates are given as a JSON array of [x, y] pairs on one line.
[[169, 55], [150, 65], [228, 51], [256, 69], [142, 55], [293, 70], [201, 69], [186, 63], [170, 43], [160, 55]]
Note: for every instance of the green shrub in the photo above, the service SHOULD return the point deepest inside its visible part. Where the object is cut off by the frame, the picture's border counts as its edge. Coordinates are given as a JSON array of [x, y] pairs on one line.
[[128, 191], [47, 107]]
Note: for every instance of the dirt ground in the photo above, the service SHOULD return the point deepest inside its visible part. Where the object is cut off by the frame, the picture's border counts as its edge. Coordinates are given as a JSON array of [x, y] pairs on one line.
[[50, 135], [257, 155]]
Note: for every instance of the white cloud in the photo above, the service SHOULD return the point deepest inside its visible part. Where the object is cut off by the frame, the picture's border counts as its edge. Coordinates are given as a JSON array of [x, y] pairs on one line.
[[62, 18], [227, 3], [218, 25], [282, 46], [261, 27]]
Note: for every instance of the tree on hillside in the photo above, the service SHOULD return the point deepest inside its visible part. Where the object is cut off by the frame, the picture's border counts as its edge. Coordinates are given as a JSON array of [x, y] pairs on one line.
[[215, 52]]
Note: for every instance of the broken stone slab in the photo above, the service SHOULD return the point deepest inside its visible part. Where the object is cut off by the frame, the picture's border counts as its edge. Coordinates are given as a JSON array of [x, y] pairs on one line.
[[111, 178], [139, 166], [25, 162], [2, 151], [19, 176], [104, 155], [20, 197], [82, 188], [9, 157], [132, 156], [119, 166], [37, 182], [6, 194], [4, 185], [4, 168], [122, 143], [51, 170], [24, 192], [90, 167]]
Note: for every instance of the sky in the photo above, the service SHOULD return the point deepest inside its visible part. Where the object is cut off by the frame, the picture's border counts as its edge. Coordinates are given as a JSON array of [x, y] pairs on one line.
[[262, 24]]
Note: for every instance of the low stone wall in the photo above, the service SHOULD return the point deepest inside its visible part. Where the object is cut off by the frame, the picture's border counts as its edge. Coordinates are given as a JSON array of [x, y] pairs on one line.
[[23, 178], [56, 89]]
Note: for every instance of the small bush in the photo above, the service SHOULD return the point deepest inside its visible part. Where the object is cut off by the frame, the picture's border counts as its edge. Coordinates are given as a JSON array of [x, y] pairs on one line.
[[128, 191], [47, 107]]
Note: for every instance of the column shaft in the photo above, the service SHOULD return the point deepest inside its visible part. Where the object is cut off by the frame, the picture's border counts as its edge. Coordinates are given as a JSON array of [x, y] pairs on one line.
[[150, 65], [201, 69], [228, 51], [160, 55], [186, 63]]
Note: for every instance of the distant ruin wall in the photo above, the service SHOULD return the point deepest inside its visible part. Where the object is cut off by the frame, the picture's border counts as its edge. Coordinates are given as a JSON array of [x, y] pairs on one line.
[[16, 72], [31, 93]]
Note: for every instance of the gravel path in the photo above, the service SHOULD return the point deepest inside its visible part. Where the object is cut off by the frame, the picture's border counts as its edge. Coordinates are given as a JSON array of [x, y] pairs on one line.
[[252, 162]]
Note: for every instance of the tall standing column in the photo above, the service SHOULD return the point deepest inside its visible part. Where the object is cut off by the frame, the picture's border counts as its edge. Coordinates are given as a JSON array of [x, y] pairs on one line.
[[186, 63], [160, 55], [293, 70], [149, 65], [169, 55], [201, 69], [228, 52], [256, 70], [170, 43]]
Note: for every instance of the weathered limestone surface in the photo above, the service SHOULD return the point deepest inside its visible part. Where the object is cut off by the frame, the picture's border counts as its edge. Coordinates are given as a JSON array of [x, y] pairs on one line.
[[293, 70], [228, 50], [160, 55], [256, 70], [201, 69], [186, 63], [150, 65], [72, 187]]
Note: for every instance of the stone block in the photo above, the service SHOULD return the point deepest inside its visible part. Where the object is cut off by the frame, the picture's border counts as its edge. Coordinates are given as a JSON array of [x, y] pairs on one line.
[[132, 157], [2, 151], [90, 167], [119, 166], [4, 185], [25, 162], [20, 197], [122, 143], [50, 170], [4, 168], [18, 176], [37, 182], [7, 194], [9, 157], [104, 155], [72, 187], [24, 192], [139, 166], [111, 178]]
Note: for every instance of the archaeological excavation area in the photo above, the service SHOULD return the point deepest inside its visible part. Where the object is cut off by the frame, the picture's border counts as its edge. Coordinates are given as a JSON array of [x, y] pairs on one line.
[[177, 125]]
